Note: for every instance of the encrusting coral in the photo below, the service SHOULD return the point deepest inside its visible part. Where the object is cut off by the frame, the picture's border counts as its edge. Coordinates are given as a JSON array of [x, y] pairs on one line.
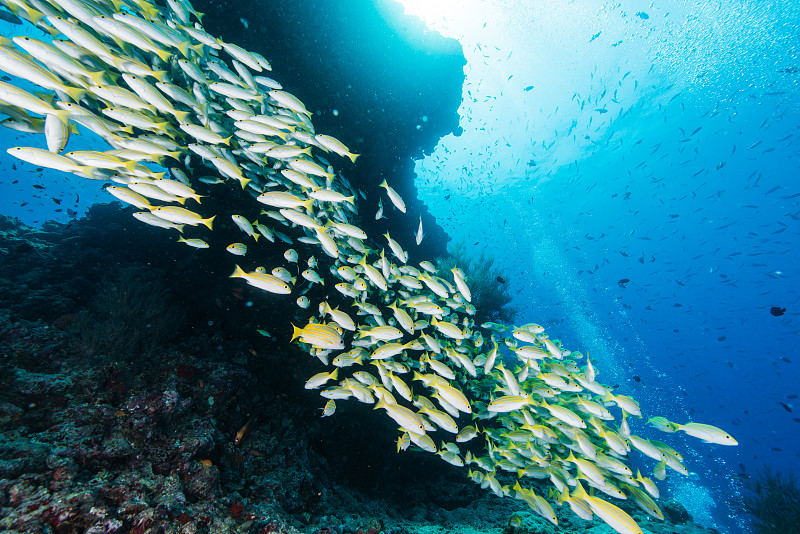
[[508, 403]]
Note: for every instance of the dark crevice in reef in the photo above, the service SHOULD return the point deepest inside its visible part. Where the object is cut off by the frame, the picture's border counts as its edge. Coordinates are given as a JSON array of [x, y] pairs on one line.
[[395, 85]]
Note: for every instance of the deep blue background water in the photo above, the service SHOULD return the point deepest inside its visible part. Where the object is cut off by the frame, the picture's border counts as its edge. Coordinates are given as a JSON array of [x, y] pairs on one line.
[[687, 185], [636, 174]]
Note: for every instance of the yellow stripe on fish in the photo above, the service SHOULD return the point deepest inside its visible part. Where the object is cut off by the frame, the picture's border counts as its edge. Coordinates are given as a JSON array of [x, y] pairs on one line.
[[319, 335]]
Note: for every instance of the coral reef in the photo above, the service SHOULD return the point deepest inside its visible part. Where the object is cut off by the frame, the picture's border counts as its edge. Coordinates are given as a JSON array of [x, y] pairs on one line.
[[490, 293], [94, 444], [774, 502], [129, 313]]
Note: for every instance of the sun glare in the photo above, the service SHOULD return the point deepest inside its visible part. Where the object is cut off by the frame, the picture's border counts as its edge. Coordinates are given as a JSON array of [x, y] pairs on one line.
[[448, 17]]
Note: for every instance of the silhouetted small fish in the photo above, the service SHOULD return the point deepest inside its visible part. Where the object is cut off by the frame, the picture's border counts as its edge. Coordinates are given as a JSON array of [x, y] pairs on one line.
[[623, 282], [777, 311], [637, 378], [501, 280], [528, 88], [787, 407], [642, 15]]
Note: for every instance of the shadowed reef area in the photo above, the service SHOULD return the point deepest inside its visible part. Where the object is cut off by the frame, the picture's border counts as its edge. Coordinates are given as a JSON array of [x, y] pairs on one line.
[[197, 425]]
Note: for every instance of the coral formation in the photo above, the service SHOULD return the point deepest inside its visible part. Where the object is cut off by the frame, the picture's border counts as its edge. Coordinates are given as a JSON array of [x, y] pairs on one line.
[[130, 313], [774, 502], [490, 292], [96, 445]]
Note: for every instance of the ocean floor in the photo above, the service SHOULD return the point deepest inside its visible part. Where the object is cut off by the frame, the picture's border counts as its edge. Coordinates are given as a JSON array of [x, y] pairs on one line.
[[136, 396]]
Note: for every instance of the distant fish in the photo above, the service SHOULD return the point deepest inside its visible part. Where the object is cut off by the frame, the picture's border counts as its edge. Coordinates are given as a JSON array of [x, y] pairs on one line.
[[595, 36], [623, 282], [787, 407], [777, 311]]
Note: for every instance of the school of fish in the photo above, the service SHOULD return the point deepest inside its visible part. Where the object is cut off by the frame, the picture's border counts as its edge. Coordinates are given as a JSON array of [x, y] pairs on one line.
[[507, 403]]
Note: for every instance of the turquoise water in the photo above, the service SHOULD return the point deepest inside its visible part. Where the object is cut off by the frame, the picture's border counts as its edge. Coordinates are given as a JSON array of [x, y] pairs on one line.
[[634, 169], [643, 196]]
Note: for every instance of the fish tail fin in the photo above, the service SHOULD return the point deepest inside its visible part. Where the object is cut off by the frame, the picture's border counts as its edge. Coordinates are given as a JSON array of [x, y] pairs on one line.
[[183, 48], [164, 55], [98, 77], [673, 426], [296, 332], [199, 49], [183, 117], [353, 157], [34, 15], [238, 272], [209, 222], [131, 165], [174, 155], [75, 93]]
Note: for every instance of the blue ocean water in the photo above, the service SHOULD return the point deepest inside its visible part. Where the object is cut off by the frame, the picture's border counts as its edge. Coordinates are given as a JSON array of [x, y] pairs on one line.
[[636, 174], [634, 170]]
